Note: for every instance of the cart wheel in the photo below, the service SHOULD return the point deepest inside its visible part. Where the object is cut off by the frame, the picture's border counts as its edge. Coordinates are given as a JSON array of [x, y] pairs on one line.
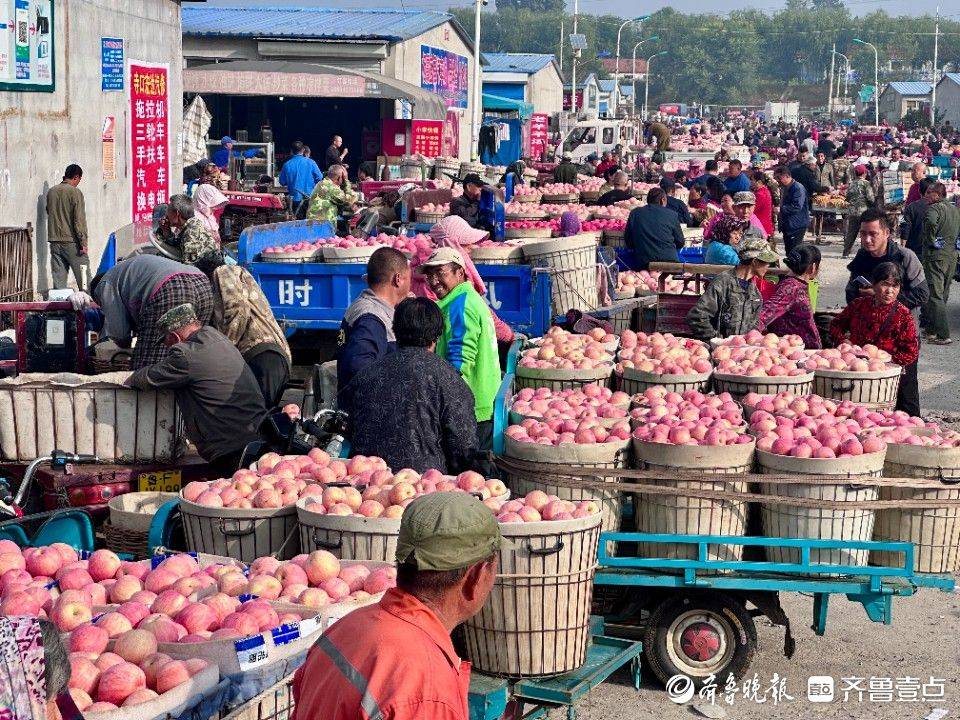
[[700, 635]]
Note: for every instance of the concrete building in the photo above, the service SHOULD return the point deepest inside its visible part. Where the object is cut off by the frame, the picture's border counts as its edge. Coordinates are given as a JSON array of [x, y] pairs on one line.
[[68, 117], [609, 101], [899, 98], [628, 69], [948, 98], [310, 73], [588, 96], [527, 77]]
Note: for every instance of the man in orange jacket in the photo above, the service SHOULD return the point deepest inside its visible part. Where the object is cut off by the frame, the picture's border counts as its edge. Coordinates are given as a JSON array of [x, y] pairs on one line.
[[395, 660]]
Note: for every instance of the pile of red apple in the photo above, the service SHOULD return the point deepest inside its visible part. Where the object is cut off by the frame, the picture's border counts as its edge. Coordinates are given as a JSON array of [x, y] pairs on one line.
[[528, 224], [849, 358], [688, 418], [590, 184], [759, 361], [607, 224], [635, 202], [663, 354], [559, 189], [789, 405], [523, 208], [131, 674], [526, 191], [387, 497], [612, 212], [755, 338], [589, 431], [907, 436], [554, 210], [537, 506], [435, 208], [561, 350], [589, 401]]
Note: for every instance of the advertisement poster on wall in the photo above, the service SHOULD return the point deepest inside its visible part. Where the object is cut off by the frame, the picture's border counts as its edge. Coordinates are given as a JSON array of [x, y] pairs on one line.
[[149, 137], [451, 134], [426, 137], [111, 64], [539, 134], [26, 45], [445, 74]]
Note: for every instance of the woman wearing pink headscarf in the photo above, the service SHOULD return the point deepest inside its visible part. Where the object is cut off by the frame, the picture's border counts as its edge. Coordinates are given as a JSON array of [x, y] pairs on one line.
[[207, 200], [454, 232]]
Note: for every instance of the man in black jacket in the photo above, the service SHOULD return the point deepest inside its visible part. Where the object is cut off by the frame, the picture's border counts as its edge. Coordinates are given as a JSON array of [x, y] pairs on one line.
[[806, 175], [911, 226], [432, 421], [620, 192], [674, 203], [467, 205], [653, 231]]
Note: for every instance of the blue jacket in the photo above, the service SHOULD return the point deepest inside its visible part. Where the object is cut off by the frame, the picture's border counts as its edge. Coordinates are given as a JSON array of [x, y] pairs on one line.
[[366, 335], [738, 184], [653, 231], [300, 176], [794, 215], [681, 209]]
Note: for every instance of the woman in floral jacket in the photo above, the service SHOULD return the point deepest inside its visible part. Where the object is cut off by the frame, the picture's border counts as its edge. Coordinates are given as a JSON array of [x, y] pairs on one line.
[[788, 311]]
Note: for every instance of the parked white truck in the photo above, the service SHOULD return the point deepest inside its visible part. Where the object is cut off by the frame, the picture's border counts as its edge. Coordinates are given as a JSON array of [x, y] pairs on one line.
[[789, 112]]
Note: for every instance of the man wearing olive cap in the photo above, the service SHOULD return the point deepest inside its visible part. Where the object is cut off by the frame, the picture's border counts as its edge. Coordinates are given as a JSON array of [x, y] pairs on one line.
[[395, 660], [216, 392]]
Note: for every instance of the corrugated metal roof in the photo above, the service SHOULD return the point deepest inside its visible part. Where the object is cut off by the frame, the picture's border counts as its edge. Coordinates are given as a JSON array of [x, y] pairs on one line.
[[607, 86], [910, 88], [528, 63], [311, 22], [955, 77]]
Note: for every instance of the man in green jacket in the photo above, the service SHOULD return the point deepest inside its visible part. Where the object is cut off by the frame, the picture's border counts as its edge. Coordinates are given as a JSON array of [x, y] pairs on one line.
[[941, 234], [469, 340], [67, 230]]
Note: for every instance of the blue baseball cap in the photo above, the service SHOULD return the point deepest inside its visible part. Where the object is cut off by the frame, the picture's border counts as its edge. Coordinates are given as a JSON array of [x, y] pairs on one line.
[[226, 140]]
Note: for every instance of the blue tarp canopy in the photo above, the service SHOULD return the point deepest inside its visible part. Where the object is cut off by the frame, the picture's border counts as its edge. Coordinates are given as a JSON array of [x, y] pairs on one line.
[[497, 103]]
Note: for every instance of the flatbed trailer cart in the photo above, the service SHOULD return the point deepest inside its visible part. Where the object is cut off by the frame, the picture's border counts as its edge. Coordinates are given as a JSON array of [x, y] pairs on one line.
[[692, 614]]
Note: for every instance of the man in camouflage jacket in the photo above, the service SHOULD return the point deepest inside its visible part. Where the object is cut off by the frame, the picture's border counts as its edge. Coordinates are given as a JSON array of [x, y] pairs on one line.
[[331, 196], [191, 238]]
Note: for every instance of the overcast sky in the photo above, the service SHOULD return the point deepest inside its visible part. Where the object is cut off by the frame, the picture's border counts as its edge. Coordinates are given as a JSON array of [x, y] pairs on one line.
[[626, 7]]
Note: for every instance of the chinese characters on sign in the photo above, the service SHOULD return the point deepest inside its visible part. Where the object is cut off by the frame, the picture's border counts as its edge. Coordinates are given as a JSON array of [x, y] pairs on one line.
[[539, 134], [111, 64], [149, 138], [426, 137], [26, 45], [108, 138], [445, 74]]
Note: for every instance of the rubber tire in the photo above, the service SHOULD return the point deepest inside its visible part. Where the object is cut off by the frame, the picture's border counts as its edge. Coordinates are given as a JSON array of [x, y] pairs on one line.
[[655, 635]]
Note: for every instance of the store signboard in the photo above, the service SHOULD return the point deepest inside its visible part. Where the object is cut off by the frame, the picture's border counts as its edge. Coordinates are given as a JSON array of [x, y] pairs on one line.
[[111, 64], [27, 45], [445, 73], [149, 137], [426, 137]]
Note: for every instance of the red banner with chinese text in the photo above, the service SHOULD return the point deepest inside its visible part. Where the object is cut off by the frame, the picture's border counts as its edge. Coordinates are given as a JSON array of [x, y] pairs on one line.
[[539, 135], [451, 134], [149, 138], [426, 137]]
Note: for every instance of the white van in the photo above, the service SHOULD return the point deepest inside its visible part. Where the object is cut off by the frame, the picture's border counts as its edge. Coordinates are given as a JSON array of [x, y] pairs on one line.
[[597, 136]]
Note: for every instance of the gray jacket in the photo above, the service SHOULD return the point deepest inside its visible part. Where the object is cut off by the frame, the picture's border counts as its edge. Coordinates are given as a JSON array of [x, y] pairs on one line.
[[726, 308]]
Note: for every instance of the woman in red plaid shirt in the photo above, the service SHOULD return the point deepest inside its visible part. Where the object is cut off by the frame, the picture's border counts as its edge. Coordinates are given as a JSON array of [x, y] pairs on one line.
[[878, 318]]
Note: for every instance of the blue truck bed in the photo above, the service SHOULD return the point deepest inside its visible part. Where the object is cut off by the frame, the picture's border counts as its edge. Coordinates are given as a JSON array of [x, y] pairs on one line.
[[314, 296]]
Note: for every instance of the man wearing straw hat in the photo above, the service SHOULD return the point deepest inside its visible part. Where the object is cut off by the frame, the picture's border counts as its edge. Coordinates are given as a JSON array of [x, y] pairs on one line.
[[395, 659]]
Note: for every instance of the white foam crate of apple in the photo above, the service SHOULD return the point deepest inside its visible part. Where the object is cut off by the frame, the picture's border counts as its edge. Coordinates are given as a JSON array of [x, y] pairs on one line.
[[127, 620]]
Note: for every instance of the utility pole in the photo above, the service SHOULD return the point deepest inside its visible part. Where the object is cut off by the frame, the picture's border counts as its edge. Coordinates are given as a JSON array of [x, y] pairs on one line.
[[561, 45], [933, 84], [573, 72], [477, 92], [833, 57]]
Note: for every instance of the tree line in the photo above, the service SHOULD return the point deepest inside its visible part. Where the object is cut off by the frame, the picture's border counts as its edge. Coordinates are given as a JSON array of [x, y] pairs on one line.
[[742, 57]]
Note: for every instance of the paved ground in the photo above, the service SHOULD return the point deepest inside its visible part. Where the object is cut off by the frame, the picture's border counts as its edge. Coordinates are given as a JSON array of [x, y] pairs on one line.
[[922, 641]]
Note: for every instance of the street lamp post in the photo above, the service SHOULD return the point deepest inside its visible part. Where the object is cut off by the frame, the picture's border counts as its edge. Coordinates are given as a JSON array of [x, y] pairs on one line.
[[616, 72], [477, 93], [846, 77], [646, 89], [634, 68], [876, 79]]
